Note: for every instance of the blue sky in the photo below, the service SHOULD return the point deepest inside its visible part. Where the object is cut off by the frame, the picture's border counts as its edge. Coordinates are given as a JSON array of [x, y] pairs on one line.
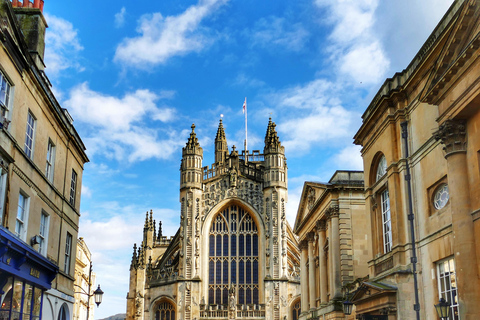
[[135, 77]]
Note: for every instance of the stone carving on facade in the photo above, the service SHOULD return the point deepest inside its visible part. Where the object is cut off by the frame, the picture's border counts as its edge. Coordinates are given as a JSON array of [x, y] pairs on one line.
[[310, 198], [247, 191], [232, 308], [453, 135], [138, 306]]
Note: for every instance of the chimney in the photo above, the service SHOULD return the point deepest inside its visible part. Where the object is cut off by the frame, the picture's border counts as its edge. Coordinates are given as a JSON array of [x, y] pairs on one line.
[[32, 23]]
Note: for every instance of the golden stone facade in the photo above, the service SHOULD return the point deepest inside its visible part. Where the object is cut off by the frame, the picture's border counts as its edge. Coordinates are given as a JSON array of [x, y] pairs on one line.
[[41, 165], [420, 141], [234, 254]]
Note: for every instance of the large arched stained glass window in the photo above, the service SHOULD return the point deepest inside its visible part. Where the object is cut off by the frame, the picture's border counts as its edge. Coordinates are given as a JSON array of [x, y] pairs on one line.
[[233, 257], [165, 311]]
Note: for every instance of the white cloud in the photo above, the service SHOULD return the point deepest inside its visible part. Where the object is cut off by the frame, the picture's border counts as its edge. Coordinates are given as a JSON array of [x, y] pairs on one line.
[[349, 158], [86, 191], [120, 18], [355, 50], [164, 37], [311, 113], [120, 130], [365, 63], [62, 46], [278, 32]]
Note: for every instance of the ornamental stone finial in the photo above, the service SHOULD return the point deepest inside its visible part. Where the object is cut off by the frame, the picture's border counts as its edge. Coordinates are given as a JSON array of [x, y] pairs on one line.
[[453, 135]]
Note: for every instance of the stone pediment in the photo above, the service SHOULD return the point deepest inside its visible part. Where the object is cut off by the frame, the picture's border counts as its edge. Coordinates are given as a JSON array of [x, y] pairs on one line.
[[461, 42], [312, 191]]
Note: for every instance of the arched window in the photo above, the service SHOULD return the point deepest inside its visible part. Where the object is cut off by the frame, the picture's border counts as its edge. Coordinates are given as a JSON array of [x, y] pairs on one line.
[[381, 168], [165, 311], [63, 315], [385, 207], [296, 310], [233, 257]]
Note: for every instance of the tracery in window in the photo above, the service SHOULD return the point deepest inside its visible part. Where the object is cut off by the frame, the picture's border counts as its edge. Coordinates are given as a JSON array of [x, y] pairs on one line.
[[296, 310], [381, 168], [233, 257], [441, 196], [165, 311]]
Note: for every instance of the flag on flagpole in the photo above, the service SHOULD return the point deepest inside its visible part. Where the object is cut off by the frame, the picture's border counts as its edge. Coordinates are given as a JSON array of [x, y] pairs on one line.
[[245, 106]]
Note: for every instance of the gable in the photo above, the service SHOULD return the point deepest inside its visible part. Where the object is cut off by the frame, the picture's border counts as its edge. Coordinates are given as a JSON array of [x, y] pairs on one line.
[[311, 193], [460, 42]]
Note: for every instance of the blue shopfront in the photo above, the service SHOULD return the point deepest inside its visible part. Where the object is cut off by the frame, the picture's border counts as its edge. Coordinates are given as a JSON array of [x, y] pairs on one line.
[[24, 276]]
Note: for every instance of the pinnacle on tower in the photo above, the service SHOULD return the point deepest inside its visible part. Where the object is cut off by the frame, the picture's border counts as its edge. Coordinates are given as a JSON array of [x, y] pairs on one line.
[[134, 262], [146, 221], [150, 222], [221, 147], [160, 231], [192, 140], [271, 137]]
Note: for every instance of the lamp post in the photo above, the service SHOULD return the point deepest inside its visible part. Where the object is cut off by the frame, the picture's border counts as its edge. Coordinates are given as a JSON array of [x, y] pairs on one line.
[[443, 309], [347, 303], [97, 293]]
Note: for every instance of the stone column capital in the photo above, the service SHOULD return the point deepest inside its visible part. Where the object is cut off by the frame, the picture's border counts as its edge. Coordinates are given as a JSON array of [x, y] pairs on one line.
[[303, 245], [310, 237], [321, 225], [453, 135], [332, 211]]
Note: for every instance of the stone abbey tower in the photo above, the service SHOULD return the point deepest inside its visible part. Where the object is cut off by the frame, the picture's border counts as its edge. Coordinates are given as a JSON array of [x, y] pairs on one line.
[[234, 255]]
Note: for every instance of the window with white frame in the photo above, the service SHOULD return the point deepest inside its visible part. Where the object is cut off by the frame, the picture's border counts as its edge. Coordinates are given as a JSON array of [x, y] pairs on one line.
[[386, 222], [68, 253], [381, 168], [447, 285], [5, 93], [22, 216], [385, 206], [73, 188], [43, 233], [50, 160], [30, 135]]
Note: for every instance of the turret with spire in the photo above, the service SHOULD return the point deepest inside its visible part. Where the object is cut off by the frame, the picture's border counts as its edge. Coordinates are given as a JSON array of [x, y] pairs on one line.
[[275, 161], [191, 167]]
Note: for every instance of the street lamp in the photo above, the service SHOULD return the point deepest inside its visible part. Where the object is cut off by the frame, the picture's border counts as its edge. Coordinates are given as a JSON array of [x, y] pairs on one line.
[[97, 293], [347, 307], [443, 309]]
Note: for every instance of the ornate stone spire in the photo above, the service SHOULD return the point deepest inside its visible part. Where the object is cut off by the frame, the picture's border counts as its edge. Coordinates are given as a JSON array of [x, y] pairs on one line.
[[221, 147], [271, 137], [192, 140], [160, 230], [146, 221], [134, 263]]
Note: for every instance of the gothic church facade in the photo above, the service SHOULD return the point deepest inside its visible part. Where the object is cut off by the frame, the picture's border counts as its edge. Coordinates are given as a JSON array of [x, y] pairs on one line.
[[234, 254]]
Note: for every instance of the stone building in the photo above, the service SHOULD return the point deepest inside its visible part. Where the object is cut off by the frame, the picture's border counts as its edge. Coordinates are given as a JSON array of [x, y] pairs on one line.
[[420, 139], [41, 160], [84, 284], [334, 251], [234, 254]]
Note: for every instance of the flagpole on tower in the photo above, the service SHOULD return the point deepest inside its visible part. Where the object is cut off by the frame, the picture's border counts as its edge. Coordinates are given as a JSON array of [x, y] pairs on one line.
[[245, 112]]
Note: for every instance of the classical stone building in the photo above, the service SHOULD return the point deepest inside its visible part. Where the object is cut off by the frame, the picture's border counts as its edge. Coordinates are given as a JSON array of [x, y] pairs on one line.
[[331, 227], [234, 254], [420, 141], [84, 284], [41, 165]]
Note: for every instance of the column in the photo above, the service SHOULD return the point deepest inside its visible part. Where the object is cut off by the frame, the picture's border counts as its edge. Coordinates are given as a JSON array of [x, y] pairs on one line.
[[311, 270], [303, 276], [322, 265], [453, 135], [335, 252]]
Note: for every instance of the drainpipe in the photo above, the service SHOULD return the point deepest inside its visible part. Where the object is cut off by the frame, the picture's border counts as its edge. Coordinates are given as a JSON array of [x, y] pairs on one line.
[[411, 217]]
